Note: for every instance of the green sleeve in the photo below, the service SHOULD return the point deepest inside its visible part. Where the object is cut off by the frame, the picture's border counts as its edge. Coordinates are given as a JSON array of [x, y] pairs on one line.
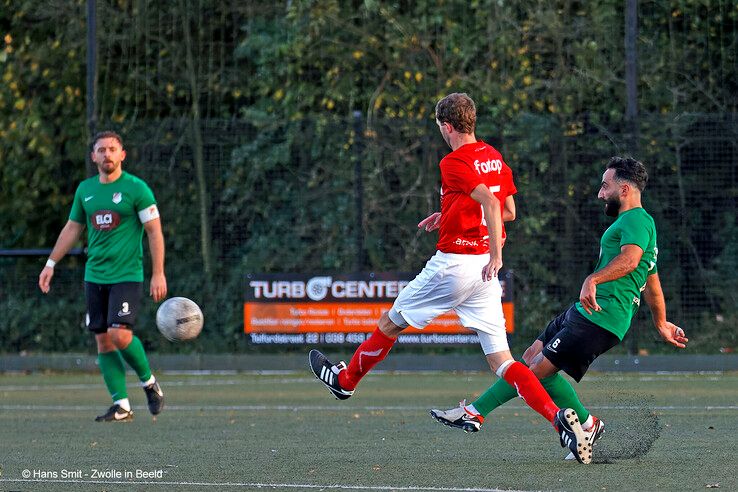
[[635, 230], [145, 197], [77, 214]]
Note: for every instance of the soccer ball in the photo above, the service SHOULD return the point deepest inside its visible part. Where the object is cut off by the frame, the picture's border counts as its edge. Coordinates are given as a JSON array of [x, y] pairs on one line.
[[179, 319]]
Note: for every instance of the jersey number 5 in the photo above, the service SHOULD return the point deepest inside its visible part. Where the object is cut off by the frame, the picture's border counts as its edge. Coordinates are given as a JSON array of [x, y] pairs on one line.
[[493, 189]]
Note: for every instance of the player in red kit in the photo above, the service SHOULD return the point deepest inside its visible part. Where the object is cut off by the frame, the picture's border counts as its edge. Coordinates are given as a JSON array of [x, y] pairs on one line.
[[462, 275]]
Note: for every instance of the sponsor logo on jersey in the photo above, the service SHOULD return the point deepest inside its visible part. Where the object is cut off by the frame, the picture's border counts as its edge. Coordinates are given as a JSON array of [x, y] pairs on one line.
[[464, 242], [105, 220], [488, 166], [117, 197], [88, 198]]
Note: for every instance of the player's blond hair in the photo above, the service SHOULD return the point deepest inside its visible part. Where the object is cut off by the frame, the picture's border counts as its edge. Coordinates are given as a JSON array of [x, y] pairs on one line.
[[459, 111]]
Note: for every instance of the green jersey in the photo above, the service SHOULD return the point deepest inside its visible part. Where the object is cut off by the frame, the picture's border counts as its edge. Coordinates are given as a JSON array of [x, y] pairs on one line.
[[620, 298], [114, 214]]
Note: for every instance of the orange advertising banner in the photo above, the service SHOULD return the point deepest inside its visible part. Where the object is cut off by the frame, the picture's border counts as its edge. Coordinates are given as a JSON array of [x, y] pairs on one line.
[[329, 317], [324, 308]]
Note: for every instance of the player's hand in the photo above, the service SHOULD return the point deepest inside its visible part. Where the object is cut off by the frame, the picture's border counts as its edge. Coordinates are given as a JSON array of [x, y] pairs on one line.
[[532, 352], [158, 289], [491, 269], [672, 334], [44, 279], [431, 223], [588, 296]]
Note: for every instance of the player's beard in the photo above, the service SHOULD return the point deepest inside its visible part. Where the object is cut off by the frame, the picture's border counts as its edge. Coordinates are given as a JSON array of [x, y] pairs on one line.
[[612, 206], [109, 167]]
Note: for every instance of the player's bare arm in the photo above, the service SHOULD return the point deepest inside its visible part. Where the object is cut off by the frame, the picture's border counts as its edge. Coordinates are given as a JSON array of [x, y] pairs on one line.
[[654, 297], [158, 288], [620, 266], [493, 218], [67, 237]]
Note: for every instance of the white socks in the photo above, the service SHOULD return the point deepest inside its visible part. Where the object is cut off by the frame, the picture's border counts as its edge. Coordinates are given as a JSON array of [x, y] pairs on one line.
[[124, 404], [470, 409], [151, 380], [587, 424]]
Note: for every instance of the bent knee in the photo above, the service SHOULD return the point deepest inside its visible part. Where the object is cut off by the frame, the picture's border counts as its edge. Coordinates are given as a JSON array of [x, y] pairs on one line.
[[120, 337], [388, 327]]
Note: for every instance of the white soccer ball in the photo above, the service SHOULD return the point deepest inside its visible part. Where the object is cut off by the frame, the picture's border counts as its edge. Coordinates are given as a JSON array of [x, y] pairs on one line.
[[179, 319]]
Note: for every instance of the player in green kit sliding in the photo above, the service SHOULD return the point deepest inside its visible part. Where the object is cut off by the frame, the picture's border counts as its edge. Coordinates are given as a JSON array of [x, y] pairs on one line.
[[116, 207], [608, 300]]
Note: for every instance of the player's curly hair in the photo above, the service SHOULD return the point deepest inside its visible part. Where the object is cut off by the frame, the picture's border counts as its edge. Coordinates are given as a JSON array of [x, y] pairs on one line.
[[459, 110], [629, 169], [106, 134]]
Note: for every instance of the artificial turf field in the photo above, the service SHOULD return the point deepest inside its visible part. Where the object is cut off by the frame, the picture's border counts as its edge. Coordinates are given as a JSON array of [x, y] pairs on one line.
[[285, 432]]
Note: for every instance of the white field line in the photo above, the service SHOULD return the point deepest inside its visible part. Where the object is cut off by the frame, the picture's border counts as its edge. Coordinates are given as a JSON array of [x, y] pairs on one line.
[[342, 408], [258, 485], [272, 381]]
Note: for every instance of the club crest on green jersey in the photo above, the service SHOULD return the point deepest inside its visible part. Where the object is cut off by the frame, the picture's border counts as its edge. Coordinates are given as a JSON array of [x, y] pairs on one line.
[[117, 197]]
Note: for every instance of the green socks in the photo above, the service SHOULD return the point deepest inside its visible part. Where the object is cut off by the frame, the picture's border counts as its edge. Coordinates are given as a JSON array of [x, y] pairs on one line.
[[564, 396], [114, 374], [135, 355], [557, 386]]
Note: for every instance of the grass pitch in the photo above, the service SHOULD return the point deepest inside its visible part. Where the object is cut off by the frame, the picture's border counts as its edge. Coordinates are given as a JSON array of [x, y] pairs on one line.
[[285, 432]]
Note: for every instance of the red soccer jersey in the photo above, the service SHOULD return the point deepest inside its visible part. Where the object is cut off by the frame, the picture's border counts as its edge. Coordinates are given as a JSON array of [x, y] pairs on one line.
[[462, 229]]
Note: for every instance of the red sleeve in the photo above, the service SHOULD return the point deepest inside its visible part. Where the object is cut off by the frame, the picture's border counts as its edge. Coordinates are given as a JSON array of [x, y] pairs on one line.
[[510, 182], [457, 175]]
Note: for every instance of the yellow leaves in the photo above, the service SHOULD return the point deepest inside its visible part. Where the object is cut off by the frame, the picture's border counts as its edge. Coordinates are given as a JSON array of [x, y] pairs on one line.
[[55, 44], [378, 102], [527, 80], [357, 54], [7, 76], [236, 93], [493, 64], [417, 76], [8, 38], [20, 104], [278, 95], [170, 88], [573, 129]]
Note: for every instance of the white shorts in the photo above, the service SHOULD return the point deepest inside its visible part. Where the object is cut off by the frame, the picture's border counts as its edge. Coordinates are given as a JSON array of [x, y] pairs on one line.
[[452, 281]]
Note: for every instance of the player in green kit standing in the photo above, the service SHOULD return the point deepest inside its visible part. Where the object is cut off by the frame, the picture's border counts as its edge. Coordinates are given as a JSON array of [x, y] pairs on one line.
[[116, 207], [608, 300]]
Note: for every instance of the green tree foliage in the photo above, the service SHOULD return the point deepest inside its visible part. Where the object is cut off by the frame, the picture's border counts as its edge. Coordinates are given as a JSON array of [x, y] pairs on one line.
[[273, 90]]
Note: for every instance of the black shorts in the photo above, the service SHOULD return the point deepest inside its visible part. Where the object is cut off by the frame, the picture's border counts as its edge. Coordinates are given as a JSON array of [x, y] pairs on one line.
[[112, 305], [572, 342]]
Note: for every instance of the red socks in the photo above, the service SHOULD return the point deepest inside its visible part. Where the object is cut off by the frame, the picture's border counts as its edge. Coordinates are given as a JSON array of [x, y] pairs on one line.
[[372, 351], [529, 388]]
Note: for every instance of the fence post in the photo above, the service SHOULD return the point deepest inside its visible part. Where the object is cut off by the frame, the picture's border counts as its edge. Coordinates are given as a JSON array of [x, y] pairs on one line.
[[358, 148], [91, 77]]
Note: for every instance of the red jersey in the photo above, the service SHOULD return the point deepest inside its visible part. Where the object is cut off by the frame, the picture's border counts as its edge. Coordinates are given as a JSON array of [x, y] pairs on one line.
[[462, 229]]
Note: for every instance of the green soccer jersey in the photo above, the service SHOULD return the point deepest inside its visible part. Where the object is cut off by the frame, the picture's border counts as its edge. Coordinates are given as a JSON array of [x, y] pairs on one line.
[[620, 298], [114, 214]]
